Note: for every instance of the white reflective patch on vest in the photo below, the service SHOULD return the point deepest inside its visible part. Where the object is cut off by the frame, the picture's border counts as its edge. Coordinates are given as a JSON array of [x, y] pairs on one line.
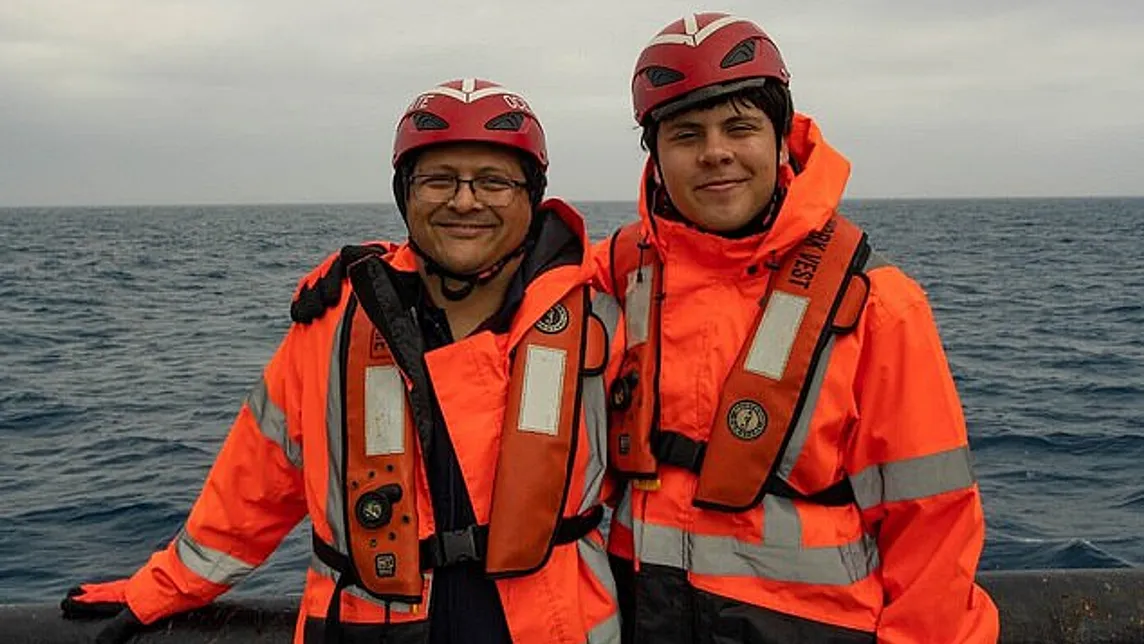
[[775, 337], [543, 389], [637, 306], [384, 411]]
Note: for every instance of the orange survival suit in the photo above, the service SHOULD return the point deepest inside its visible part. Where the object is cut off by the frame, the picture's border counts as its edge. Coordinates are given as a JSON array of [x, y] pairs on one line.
[[797, 455], [336, 430]]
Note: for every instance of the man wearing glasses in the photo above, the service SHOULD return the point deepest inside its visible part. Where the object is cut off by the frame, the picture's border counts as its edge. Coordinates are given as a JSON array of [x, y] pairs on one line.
[[436, 409]]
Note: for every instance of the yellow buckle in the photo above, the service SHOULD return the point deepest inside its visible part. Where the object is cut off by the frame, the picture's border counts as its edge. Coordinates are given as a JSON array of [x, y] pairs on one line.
[[646, 485]]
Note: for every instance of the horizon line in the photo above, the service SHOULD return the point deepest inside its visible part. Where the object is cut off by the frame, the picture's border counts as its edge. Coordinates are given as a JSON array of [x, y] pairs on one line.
[[227, 204]]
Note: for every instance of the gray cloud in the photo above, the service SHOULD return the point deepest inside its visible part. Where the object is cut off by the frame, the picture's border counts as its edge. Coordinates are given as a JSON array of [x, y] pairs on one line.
[[212, 101]]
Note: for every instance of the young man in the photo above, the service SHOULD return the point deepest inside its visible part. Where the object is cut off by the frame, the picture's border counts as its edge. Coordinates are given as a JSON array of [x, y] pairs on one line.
[[437, 410], [798, 462]]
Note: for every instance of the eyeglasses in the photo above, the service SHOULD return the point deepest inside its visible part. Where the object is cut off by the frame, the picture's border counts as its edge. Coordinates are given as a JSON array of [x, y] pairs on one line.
[[440, 188]]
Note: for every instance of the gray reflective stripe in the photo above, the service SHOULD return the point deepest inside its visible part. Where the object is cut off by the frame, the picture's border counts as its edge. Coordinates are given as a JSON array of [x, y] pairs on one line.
[[596, 557], [775, 336], [542, 394], [334, 500], [802, 425], [606, 632], [594, 400], [781, 523], [662, 545], [272, 422], [725, 556], [637, 305], [624, 510], [607, 308], [914, 478], [384, 411], [874, 261], [322, 569], [210, 564]]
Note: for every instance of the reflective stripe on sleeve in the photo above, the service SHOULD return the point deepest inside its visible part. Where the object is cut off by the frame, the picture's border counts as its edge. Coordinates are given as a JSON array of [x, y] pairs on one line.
[[271, 422], [210, 564], [913, 478]]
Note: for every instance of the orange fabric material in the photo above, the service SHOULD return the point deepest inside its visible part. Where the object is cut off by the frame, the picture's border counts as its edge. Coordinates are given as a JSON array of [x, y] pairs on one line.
[[736, 469], [385, 556], [108, 591], [887, 396], [633, 398], [254, 494], [527, 501]]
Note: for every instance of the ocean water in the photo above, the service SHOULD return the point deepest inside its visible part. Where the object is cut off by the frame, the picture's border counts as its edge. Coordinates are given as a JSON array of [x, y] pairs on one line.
[[129, 336]]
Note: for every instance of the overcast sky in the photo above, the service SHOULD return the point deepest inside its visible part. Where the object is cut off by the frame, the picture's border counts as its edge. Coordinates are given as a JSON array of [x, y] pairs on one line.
[[282, 101]]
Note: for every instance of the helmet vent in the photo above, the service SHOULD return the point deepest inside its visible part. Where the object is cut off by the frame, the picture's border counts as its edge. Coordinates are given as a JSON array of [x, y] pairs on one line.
[[427, 121], [744, 52], [660, 76], [511, 121]]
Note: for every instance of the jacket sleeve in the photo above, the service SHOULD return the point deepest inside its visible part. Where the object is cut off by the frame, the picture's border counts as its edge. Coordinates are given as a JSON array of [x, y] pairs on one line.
[[912, 474], [253, 497], [602, 261]]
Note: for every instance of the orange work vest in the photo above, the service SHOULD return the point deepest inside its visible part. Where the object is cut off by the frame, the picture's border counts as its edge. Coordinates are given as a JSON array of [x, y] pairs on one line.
[[819, 289], [387, 398]]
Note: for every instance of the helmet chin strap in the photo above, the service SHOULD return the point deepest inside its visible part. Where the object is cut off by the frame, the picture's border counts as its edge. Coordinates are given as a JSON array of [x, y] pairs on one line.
[[469, 281]]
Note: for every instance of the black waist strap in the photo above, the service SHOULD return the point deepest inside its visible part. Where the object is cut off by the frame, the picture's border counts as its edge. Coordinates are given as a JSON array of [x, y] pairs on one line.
[[437, 551], [471, 543], [458, 546], [673, 448]]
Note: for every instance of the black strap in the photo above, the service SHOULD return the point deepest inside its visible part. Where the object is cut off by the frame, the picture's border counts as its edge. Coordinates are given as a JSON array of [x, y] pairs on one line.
[[673, 448], [455, 546], [839, 494], [374, 288], [314, 299], [328, 555], [471, 543]]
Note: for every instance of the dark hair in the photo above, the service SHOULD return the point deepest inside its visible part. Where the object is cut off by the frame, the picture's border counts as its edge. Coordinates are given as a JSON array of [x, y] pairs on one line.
[[773, 98], [534, 176]]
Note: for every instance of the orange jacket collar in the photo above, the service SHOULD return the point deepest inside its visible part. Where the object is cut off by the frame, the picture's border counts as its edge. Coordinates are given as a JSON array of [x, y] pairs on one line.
[[811, 198]]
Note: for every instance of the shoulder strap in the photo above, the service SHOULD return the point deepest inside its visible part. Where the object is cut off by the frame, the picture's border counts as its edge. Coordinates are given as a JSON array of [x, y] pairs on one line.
[[315, 298]]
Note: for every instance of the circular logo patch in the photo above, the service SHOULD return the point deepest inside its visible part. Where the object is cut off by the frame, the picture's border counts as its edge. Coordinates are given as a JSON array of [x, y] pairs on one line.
[[554, 321], [747, 420]]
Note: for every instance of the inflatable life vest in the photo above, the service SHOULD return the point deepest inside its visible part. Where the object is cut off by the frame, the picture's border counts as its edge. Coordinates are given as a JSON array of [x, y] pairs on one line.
[[388, 421], [818, 289]]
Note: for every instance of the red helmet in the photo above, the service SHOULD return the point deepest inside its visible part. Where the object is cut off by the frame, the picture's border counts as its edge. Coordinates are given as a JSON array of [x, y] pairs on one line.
[[470, 109], [713, 52]]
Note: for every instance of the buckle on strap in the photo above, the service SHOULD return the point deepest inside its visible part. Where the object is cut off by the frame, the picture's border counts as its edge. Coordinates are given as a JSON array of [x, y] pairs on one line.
[[673, 448], [471, 543], [454, 547], [459, 546]]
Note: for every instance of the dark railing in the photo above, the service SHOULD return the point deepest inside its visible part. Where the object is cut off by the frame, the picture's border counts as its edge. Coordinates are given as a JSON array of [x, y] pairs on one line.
[[1041, 606]]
